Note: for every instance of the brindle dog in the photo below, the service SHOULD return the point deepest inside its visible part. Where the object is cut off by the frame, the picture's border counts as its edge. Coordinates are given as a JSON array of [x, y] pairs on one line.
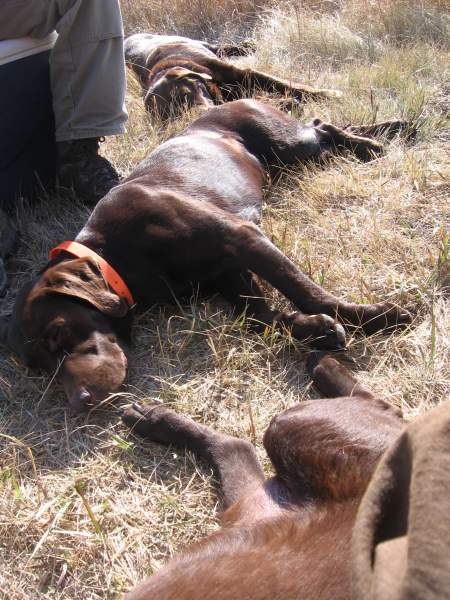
[[177, 72], [187, 219]]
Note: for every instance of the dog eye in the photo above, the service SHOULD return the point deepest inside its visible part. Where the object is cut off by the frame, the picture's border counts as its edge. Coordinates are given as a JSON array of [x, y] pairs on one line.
[[329, 331], [91, 349]]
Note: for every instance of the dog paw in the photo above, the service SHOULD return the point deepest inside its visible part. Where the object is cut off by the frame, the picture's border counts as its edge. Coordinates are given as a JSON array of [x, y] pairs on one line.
[[367, 150], [320, 331], [385, 316], [148, 420]]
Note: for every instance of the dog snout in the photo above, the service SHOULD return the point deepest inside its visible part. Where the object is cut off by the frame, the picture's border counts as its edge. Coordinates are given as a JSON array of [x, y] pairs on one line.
[[81, 400], [340, 335]]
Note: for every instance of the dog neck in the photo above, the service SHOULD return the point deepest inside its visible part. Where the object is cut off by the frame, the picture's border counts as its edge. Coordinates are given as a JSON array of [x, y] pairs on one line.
[[111, 276]]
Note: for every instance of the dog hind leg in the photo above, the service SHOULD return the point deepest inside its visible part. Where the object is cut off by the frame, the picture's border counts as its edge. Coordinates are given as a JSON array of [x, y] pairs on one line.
[[329, 448]]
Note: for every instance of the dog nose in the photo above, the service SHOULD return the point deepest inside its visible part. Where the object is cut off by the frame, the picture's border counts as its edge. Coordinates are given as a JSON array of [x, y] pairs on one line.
[[80, 399], [340, 334]]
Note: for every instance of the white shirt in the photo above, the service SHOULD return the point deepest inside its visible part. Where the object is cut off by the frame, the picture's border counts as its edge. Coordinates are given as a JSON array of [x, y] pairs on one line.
[[18, 48]]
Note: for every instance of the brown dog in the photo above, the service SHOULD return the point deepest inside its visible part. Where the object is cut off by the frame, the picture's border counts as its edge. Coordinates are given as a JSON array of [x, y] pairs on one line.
[[177, 72], [289, 536], [186, 219]]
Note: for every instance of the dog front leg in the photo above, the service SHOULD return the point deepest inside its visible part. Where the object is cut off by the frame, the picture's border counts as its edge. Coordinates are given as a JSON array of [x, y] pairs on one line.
[[254, 252], [335, 139], [243, 292], [388, 129], [234, 460]]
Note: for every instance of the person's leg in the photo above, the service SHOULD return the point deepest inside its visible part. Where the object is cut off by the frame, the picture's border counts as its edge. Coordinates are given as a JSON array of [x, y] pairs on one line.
[[27, 130], [87, 72], [87, 62], [7, 241], [27, 146]]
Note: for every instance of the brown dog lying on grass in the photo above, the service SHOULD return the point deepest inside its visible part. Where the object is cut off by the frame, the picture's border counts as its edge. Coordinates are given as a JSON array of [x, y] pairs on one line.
[[288, 536], [177, 72], [186, 220]]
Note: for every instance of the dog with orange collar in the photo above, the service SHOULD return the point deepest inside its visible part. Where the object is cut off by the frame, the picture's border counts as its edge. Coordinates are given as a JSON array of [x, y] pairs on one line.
[[185, 220]]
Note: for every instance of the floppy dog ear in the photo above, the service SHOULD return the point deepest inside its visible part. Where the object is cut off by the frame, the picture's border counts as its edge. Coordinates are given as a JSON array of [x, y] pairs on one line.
[[55, 335], [180, 72], [82, 278]]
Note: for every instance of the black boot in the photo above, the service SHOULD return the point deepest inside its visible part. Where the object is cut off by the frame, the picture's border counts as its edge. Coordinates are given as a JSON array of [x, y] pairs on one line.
[[8, 237], [82, 168]]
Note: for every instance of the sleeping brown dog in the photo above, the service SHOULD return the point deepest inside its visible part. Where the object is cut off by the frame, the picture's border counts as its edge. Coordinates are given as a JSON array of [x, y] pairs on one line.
[[186, 220], [177, 72], [288, 536]]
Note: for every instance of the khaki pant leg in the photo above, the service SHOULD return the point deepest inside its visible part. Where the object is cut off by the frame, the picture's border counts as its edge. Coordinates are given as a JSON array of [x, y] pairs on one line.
[[87, 67], [87, 70]]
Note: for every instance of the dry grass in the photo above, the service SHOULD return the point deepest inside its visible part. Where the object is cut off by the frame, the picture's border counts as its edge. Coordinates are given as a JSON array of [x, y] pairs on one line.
[[367, 232]]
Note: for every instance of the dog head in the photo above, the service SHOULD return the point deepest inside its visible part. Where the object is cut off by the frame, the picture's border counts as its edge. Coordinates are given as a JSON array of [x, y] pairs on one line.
[[66, 318], [179, 88]]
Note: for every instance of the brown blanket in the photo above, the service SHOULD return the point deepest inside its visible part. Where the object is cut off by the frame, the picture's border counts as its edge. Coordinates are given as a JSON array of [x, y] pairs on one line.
[[401, 541]]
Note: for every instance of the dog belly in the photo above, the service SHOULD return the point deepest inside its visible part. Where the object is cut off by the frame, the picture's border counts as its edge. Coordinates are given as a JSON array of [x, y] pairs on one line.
[[276, 559], [210, 168]]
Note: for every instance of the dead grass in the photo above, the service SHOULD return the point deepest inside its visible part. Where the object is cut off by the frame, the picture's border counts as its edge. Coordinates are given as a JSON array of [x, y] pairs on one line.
[[201, 19], [87, 510]]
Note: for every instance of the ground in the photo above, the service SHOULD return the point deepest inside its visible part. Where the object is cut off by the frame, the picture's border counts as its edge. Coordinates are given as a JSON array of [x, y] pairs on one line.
[[87, 509]]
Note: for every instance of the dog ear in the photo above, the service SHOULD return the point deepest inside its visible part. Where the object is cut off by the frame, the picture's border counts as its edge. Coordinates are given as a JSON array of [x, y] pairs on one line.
[[82, 278], [55, 335], [180, 72]]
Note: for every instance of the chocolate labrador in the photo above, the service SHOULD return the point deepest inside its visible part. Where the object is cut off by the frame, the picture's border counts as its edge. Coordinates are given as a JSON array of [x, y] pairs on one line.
[[186, 219], [288, 536], [177, 72]]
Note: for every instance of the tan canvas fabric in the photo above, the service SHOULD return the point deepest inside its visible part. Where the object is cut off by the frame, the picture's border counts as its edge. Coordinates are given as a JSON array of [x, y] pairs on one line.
[[401, 542], [87, 66]]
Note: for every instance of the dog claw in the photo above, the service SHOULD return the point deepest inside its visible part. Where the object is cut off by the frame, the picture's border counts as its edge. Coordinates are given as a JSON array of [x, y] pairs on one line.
[[132, 414]]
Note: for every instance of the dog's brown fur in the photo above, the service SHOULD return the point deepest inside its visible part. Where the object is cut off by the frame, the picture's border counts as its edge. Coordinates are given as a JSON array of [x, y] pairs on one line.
[[289, 536], [176, 72], [186, 219]]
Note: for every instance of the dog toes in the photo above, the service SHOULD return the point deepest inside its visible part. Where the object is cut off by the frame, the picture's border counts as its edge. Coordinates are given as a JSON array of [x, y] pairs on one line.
[[389, 316], [396, 316], [331, 338], [143, 418], [320, 331], [329, 375]]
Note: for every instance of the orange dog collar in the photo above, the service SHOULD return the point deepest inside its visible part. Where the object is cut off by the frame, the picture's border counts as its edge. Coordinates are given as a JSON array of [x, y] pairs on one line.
[[112, 277]]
